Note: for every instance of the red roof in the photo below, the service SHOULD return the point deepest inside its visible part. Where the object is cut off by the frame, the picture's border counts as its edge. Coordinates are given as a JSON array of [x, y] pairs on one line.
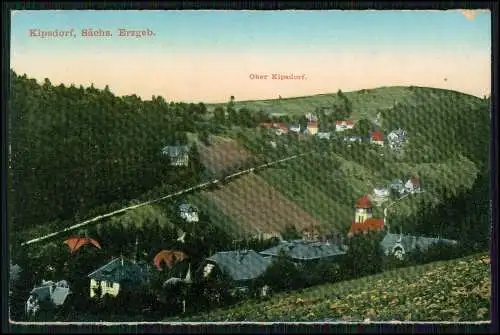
[[266, 125], [378, 136], [415, 180], [344, 122], [283, 126], [369, 224], [364, 202]]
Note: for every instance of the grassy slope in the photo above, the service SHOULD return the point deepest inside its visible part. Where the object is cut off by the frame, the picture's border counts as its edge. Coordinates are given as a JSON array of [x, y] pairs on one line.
[[327, 183], [456, 290], [364, 102]]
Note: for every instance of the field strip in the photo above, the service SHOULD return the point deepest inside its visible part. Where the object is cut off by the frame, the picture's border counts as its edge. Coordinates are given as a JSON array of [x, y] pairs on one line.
[[149, 202]]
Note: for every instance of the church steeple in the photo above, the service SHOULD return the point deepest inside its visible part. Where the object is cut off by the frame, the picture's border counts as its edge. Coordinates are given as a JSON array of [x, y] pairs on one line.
[[363, 209]]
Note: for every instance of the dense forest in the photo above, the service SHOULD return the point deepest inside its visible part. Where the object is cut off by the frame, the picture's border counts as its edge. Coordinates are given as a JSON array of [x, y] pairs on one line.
[[75, 149]]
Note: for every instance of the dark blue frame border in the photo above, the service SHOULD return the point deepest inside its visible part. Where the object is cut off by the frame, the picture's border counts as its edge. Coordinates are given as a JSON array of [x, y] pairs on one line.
[[251, 328]]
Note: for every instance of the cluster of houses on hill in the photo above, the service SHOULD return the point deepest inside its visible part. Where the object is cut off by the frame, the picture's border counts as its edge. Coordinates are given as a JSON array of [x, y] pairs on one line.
[[395, 139], [242, 266], [398, 187]]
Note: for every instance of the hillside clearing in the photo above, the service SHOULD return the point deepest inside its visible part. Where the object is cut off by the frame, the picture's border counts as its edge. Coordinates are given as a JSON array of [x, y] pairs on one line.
[[222, 155], [258, 207]]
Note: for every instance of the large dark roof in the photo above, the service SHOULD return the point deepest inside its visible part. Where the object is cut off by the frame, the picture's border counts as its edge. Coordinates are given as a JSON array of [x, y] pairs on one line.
[[119, 270], [302, 250], [241, 265], [410, 243], [175, 150]]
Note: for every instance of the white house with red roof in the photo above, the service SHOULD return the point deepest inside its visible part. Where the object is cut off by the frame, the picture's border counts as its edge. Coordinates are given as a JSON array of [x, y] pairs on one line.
[[377, 137], [344, 125], [281, 128]]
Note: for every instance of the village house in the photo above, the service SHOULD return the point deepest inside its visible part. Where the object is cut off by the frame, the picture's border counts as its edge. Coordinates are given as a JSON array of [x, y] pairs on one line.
[[399, 245], [241, 266], [118, 275], [353, 139], [377, 137], [301, 251], [413, 185], [396, 138], [177, 154], [189, 213], [47, 292], [281, 129], [295, 129], [344, 125], [398, 186], [363, 218], [324, 135], [311, 117], [312, 127]]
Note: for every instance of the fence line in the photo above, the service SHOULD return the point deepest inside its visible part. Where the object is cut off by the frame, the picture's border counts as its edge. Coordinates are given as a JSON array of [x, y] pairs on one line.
[[196, 187]]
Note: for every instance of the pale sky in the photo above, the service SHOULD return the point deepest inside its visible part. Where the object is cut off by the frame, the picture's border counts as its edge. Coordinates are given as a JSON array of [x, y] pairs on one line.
[[210, 55]]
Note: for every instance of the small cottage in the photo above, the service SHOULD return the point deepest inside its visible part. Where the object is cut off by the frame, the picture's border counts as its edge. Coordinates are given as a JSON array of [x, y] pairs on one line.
[[178, 155], [377, 137], [399, 245], [312, 127], [396, 138], [413, 185], [117, 275], [47, 292], [189, 213], [353, 139], [241, 266], [324, 135], [344, 125]]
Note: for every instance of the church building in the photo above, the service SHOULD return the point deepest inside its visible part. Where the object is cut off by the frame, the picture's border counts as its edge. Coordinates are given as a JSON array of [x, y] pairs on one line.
[[363, 218]]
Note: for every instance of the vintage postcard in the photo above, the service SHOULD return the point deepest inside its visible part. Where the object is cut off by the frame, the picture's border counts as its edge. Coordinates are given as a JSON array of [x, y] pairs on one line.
[[249, 166]]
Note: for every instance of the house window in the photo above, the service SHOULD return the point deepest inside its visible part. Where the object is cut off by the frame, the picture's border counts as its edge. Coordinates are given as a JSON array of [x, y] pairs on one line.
[[109, 284]]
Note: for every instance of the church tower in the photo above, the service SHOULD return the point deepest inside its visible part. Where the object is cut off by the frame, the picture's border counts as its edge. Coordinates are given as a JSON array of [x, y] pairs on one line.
[[363, 209]]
